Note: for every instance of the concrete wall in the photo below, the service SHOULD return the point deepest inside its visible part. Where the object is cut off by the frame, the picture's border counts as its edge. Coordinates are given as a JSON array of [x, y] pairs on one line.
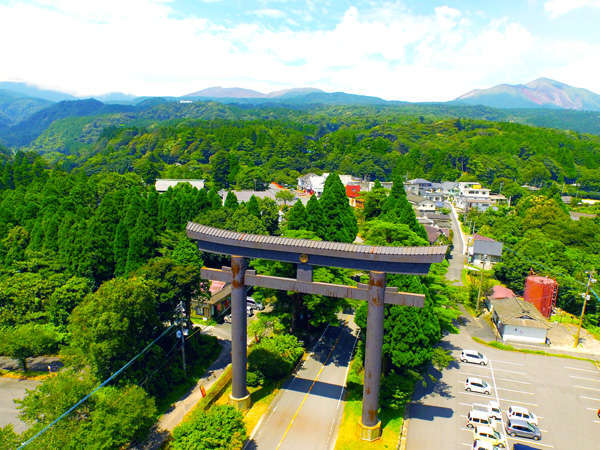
[[528, 335]]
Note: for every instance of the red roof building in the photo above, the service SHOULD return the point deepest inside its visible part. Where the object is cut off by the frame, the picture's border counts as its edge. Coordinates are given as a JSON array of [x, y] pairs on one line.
[[499, 292], [353, 194]]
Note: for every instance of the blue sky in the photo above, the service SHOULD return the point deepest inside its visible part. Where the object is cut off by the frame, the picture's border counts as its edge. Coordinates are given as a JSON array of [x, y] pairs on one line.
[[406, 50]]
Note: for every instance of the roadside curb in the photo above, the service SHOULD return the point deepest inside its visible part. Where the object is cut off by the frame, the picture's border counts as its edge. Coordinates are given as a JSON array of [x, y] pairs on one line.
[[404, 431]]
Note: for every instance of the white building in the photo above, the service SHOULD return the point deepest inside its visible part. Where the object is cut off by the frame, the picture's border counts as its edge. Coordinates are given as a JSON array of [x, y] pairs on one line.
[[426, 206], [163, 184], [312, 183], [519, 321]]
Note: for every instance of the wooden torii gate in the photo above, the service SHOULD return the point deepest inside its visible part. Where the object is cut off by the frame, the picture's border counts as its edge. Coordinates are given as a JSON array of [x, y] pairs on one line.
[[306, 254]]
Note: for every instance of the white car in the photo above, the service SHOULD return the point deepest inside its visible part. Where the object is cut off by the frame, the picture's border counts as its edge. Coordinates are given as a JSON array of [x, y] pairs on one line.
[[473, 356], [492, 408], [484, 445], [477, 385], [518, 412]]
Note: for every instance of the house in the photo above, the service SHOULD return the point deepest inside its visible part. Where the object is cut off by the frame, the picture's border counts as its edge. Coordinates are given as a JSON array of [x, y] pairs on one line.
[[217, 305], [500, 292], [433, 233], [426, 206], [354, 197], [349, 180], [450, 189], [418, 186], [245, 195], [163, 184], [485, 251], [519, 321], [312, 183], [467, 203], [414, 199]]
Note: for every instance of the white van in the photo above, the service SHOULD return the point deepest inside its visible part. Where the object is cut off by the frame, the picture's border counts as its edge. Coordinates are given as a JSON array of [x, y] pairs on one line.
[[476, 418], [492, 409]]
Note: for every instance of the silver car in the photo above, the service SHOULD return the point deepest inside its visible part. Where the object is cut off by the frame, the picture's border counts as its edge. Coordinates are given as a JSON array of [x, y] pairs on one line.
[[518, 427]]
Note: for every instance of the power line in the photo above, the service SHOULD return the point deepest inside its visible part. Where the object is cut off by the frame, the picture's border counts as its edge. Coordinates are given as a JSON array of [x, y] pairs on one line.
[[72, 408]]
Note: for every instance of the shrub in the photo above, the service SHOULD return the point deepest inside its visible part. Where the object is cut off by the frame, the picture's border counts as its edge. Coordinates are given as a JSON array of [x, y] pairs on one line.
[[220, 428], [275, 356], [396, 390], [254, 379]]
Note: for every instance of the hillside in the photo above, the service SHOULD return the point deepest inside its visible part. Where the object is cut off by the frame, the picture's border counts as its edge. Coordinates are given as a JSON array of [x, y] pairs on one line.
[[543, 92]]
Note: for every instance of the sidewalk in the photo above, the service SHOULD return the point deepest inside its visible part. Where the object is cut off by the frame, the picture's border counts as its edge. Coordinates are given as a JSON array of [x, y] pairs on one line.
[[177, 412]]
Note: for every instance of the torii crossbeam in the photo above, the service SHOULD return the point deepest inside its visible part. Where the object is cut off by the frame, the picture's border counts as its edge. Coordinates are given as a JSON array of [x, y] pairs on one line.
[[306, 254]]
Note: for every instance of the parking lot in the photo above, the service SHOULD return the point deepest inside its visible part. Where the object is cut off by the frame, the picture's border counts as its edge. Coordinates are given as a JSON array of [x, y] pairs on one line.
[[563, 393]]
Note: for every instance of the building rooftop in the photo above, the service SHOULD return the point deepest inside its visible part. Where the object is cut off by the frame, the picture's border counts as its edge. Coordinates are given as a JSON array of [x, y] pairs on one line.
[[163, 184], [499, 292], [516, 312]]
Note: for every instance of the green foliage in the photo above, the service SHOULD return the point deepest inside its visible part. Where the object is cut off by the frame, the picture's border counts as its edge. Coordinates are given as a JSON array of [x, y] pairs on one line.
[[441, 358], [378, 232], [275, 356], [315, 218], [29, 340], [111, 418], [254, 379], [222, 427], [396, 390], [231, 202], [340, 223], [285, 196], [296, 217]]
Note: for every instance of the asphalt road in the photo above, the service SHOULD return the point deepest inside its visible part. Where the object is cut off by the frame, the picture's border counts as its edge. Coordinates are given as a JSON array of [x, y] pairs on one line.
[[12, 389], [306, 413], [457, 261], [564, 393]]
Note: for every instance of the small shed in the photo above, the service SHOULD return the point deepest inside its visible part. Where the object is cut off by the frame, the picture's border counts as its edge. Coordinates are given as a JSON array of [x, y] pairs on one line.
[[485, 248], [219, 302], [519, 321]]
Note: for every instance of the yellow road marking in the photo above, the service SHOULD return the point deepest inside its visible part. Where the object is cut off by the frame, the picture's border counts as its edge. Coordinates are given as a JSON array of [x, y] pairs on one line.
[[308, 392]]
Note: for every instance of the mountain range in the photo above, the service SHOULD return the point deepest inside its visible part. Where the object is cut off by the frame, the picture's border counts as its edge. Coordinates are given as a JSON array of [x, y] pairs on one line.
[[542, 92], [26, 111]]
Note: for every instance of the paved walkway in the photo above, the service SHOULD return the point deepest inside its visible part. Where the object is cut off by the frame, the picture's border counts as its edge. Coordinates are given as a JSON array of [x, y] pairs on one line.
[[457, 260]]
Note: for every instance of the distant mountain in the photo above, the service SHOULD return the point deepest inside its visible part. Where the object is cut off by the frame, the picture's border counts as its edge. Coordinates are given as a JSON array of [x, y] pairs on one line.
[[29, 90], [221, 92], [540, 93], [117, 98], [15, 107], [295, 92], [27, 130]]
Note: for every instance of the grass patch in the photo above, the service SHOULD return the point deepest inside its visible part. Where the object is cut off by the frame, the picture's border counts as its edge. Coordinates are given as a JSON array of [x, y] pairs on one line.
[[210, 352], [565, 317], [510, 348], [349, 432], [29, 375], [202, 321]]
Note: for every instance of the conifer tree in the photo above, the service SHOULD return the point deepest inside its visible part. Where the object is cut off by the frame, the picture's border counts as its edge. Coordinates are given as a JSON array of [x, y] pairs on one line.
[[253, 207], [296, 217], [152, 209], [231, 202], [51, 232], [214, 199], [340, 221], [141, 244], [121, 248], [37, 236], [398, 209], [315, 219]]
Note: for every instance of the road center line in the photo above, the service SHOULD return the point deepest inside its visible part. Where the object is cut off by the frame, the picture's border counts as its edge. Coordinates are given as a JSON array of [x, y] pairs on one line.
[[308, 392]]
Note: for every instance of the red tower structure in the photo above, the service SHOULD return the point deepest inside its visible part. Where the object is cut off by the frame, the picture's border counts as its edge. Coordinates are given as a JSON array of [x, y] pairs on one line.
[[541, 292]]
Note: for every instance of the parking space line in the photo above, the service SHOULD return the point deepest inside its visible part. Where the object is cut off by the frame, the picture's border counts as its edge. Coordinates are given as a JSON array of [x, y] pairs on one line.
[[466, 404], [597, 380], [530, 441], [586, 387], [591, 409], [473, 375], [590, 398], [513, 390], [579, 368], [482, 396], [510, 371], [513, 381], [507, 362], [468, 445], [518, 401], [596, 421]]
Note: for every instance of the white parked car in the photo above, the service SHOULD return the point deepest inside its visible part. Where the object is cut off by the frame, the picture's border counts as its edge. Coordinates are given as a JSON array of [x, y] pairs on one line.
[[489, 435], [492, 408], [484, 445], [477, 385], [473, 356], [518, 412]]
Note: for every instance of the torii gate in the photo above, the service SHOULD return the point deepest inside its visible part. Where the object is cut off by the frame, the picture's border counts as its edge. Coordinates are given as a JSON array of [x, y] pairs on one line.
[[306, 254]]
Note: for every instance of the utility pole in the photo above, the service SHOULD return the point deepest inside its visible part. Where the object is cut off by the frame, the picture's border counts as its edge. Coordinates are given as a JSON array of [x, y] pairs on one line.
[[182, 332], [480, 282], [586, 297]]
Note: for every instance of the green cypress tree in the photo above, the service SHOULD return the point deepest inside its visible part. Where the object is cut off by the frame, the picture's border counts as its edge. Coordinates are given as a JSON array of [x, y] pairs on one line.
[[121, 248], [141, 244], [315, 219], [296, 217], [214, 199], [37, 236], [51, 226], [253, 207], [398, 209], [340, 221], [152, 209], [231, 202]]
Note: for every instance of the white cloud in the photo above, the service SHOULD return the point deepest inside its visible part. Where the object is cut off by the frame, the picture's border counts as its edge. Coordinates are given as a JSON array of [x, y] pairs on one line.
[[269, 12], [143, 47], [557, 8]]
